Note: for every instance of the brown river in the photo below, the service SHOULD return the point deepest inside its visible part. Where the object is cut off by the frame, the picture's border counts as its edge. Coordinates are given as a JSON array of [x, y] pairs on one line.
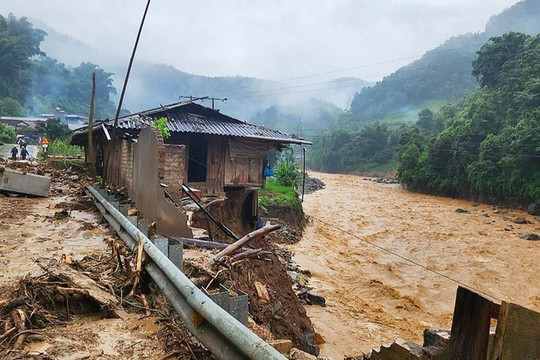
[[389, 261]]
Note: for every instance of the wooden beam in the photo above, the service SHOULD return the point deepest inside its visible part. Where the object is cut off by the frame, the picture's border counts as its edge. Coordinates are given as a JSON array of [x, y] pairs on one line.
[[517, 335], [470, 327]]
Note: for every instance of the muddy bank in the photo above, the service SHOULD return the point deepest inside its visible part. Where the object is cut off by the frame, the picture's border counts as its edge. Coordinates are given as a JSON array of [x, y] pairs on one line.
[[374, 297]]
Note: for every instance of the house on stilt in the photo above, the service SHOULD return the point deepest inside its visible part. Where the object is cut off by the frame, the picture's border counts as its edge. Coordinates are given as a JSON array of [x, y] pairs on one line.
[[207, 150]]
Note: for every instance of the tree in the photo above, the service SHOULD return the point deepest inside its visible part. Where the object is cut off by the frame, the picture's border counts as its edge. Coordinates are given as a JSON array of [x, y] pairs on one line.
[[6, 133], [493, 55], [11, 107], [19, 42], [53, 128]]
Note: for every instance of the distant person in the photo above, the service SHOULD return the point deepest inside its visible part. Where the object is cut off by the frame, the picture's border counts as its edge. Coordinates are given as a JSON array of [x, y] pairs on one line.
[[14, 153], [45, 144], [24, 153]]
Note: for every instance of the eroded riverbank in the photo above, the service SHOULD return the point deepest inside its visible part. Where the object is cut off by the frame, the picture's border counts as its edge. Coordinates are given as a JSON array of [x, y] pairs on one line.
[[373, 296]]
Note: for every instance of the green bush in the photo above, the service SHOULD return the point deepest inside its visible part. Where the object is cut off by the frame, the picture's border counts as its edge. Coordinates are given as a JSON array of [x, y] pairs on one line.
[[6, 134], [161, 125], [287, 173], [60, 147]]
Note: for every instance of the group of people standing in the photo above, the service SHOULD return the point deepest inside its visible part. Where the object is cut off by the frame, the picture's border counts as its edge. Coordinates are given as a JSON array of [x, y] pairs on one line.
[[24, 152], [15, 151]]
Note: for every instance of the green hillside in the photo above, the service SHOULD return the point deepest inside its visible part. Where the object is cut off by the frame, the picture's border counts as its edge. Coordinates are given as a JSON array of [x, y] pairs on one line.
[[441, 75], [489, 144]]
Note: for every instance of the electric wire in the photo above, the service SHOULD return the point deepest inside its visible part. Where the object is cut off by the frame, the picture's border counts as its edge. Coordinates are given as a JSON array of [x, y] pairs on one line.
[[428, 53], [416, 263]]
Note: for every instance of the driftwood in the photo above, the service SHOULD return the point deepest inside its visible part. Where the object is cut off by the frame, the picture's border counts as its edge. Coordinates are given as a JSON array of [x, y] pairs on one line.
[[138, 267], [200, 243], [84, 285], [19, 320], [243, 241], [219, 202], [246, 254]]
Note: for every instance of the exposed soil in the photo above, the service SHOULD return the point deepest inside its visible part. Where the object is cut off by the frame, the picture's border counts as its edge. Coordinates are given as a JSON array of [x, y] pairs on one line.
[[282, 313], [373, 296]]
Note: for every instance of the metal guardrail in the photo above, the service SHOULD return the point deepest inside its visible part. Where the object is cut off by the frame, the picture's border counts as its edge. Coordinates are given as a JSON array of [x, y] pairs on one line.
[[221, 333]]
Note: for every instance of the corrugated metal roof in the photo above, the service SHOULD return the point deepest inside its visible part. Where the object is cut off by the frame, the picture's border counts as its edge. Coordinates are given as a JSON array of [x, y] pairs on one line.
[[194, 118]]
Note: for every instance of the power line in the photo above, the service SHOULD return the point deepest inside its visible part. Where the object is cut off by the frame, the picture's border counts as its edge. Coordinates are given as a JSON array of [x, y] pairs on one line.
[[405, 258], [428, 53], [401, 71]]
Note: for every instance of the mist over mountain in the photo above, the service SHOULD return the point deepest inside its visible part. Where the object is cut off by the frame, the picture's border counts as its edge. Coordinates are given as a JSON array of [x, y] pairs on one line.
[[317, 101], [442, 75]]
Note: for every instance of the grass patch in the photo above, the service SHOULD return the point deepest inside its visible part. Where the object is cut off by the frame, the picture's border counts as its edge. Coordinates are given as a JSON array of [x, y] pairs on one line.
[[59, 147], [275, 194]]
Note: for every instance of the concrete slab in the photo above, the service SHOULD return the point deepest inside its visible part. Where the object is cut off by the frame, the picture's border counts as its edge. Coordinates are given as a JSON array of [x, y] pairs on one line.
[[24, 183]]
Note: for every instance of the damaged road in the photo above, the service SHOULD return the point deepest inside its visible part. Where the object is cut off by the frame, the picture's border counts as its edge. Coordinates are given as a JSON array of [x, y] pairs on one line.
[[47, 315]]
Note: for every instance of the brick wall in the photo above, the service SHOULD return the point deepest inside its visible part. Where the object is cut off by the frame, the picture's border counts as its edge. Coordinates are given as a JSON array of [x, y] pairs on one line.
[[175, 167], [126, 164]]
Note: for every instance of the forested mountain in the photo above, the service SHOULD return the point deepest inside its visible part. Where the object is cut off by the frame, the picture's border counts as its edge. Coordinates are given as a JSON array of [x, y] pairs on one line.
[[441, 75], [32, 83], [19, 42], [489, 145]]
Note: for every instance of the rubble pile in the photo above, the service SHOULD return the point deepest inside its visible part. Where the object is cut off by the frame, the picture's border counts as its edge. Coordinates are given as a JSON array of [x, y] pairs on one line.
[[313, 184]]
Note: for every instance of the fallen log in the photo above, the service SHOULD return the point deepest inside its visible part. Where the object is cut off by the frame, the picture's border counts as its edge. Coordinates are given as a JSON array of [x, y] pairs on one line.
[[246, 254], [238, 244], [200, 243], [19, 320], [83, 283], [8, 333]]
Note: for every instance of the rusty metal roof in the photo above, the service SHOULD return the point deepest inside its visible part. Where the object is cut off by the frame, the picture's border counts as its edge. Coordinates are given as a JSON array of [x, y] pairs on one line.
[[194, 118]]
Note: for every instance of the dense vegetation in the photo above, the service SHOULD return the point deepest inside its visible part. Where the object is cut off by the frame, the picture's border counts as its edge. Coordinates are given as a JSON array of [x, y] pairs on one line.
[[32, 83], [489, 146], [369, 150], [441, 75]]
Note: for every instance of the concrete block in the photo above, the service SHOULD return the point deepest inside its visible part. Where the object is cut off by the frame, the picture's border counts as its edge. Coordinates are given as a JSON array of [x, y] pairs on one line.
[[24, 183], [162, 244], [176, 255], [300, 355], [132, 219], [123, 208], [142, 225]]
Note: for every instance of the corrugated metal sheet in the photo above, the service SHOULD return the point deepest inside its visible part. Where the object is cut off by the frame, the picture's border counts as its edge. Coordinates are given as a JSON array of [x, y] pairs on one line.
[[195, 123], [195, 118]]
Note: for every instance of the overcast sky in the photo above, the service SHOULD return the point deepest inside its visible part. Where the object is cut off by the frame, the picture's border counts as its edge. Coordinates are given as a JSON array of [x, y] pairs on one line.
[[276, 39]]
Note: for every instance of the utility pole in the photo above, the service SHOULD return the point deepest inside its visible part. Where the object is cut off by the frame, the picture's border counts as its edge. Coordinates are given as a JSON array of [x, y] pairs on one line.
[[91, 159], [299, 127]]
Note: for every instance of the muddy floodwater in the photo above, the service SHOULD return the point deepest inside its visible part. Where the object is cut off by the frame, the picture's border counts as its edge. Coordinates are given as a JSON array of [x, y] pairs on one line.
[[375, 296]]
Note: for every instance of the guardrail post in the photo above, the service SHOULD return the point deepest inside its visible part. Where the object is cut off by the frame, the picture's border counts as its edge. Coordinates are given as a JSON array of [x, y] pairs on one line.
[[176, 255], [162, 244], [123, 208], [142, 225]]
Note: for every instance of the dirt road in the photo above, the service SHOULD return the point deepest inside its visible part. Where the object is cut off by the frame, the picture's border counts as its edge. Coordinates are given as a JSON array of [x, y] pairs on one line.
[[5, 150], [30, 230], [374, 297]]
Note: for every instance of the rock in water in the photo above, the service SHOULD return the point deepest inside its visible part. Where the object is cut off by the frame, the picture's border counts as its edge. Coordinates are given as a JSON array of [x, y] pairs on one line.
[[530, 236], [533, 209]]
